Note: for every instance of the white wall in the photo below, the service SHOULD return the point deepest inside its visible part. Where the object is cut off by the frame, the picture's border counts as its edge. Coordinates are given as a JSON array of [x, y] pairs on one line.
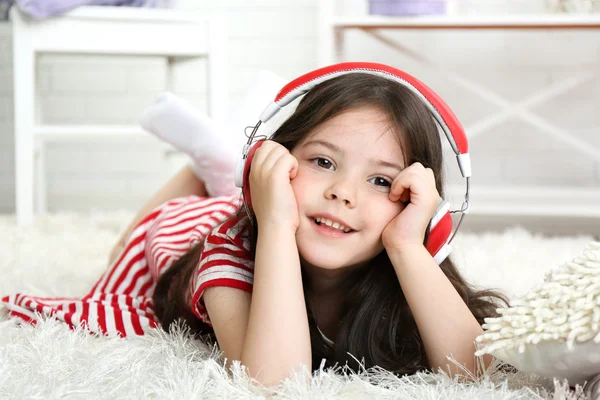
[[264, 34], [281, 35], [513, 64]]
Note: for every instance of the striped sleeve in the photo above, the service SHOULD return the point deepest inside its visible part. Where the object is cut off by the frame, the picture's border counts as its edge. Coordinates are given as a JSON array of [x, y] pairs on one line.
[[226, 260]]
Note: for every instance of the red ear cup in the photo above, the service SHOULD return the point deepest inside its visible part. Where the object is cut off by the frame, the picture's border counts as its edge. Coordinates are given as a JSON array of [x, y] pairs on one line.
[[440, 230], [247, 165]]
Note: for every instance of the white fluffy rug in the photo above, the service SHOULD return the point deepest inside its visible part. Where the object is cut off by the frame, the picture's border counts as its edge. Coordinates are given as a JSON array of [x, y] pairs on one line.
[[64, 254]]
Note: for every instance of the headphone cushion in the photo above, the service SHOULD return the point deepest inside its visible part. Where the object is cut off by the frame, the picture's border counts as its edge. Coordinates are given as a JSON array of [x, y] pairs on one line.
[[246, 175], [440, 232]]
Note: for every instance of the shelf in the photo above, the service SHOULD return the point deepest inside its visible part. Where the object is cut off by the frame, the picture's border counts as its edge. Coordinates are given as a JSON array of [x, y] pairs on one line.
[[113, 13], [85, 132], [535, 21], [130, 31], [536, 201]]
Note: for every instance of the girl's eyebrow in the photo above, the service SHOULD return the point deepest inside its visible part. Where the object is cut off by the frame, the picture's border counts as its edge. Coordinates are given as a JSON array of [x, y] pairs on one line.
[[388, 164], [330, 146], [339, 150]]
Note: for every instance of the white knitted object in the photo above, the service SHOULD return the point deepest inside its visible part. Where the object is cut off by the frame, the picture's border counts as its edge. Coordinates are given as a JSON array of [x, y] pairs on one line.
[[556, 325]]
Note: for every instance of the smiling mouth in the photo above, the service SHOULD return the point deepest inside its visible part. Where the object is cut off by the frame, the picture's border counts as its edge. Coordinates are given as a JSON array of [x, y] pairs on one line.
[[324, 222]]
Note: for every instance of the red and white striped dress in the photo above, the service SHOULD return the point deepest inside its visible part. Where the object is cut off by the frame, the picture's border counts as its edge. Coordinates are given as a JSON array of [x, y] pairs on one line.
[[121, 301]]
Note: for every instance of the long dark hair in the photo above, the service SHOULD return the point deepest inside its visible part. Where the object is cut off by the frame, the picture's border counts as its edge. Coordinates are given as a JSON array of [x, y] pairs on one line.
[[377, 327]]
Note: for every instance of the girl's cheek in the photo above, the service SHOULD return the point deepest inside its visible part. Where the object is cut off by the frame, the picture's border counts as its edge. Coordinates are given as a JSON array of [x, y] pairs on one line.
[[306, 176], [394, 209], [301, 183]]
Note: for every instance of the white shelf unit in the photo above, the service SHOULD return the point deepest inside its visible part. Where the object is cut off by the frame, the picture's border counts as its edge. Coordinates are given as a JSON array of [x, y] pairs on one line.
[[540, 201], [174, 34], [533, 21], [543, 202]]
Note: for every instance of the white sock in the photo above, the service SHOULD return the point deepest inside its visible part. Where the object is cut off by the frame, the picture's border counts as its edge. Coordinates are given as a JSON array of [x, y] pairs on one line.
[[213, 149], [182, 125]]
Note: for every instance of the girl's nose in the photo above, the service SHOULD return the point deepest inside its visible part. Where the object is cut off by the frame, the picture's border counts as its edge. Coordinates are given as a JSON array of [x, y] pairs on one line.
[[342, 190]]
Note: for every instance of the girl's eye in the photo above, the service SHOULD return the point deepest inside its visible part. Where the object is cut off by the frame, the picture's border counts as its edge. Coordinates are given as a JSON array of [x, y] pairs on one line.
[[323, 162], [379, 181]]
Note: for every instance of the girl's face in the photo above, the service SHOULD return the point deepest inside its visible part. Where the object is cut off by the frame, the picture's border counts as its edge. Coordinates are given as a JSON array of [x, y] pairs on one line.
[[345, 170]]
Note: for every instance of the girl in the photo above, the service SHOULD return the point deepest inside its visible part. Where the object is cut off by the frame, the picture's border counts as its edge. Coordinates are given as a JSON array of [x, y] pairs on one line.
[[331, 265]]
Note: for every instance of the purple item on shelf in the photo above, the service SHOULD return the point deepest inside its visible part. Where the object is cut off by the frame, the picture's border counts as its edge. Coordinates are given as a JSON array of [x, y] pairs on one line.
[[407, 7], [4, 6], [39, 9]]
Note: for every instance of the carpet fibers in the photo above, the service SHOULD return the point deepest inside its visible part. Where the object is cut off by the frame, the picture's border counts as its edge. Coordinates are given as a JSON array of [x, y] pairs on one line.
[[63, 255]]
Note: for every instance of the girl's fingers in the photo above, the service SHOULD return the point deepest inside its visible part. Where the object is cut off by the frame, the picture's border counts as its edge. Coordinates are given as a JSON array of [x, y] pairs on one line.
[[286, 165], [271, 159], [431, 176], [400, 190], [266, 156], [270, 163], [414, 179], [259, 154]]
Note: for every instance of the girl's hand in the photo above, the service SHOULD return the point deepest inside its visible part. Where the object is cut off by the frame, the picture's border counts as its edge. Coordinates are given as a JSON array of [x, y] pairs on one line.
[[273, 200], [415, 187]]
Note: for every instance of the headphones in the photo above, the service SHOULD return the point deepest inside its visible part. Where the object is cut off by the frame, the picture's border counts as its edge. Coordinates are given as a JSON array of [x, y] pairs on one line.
[[440, 228]]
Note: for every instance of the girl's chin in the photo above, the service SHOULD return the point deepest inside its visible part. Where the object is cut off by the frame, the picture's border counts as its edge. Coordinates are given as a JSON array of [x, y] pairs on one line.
[[331, 263], [314, 261], [319, 263], [321, 255]]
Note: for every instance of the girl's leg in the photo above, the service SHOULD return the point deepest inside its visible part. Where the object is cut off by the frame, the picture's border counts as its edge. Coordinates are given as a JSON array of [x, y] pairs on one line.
[[213, 150], [210, 172], [184, 183], [213, 155]]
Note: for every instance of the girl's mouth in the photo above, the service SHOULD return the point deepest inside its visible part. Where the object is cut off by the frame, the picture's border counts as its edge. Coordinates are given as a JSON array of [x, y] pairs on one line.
[[330, 228]]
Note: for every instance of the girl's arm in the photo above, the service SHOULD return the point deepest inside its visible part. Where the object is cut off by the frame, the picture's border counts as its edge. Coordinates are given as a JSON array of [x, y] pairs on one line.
[[268, 330], [184, 183], [229, 309], [277, 340], [446, 325]]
